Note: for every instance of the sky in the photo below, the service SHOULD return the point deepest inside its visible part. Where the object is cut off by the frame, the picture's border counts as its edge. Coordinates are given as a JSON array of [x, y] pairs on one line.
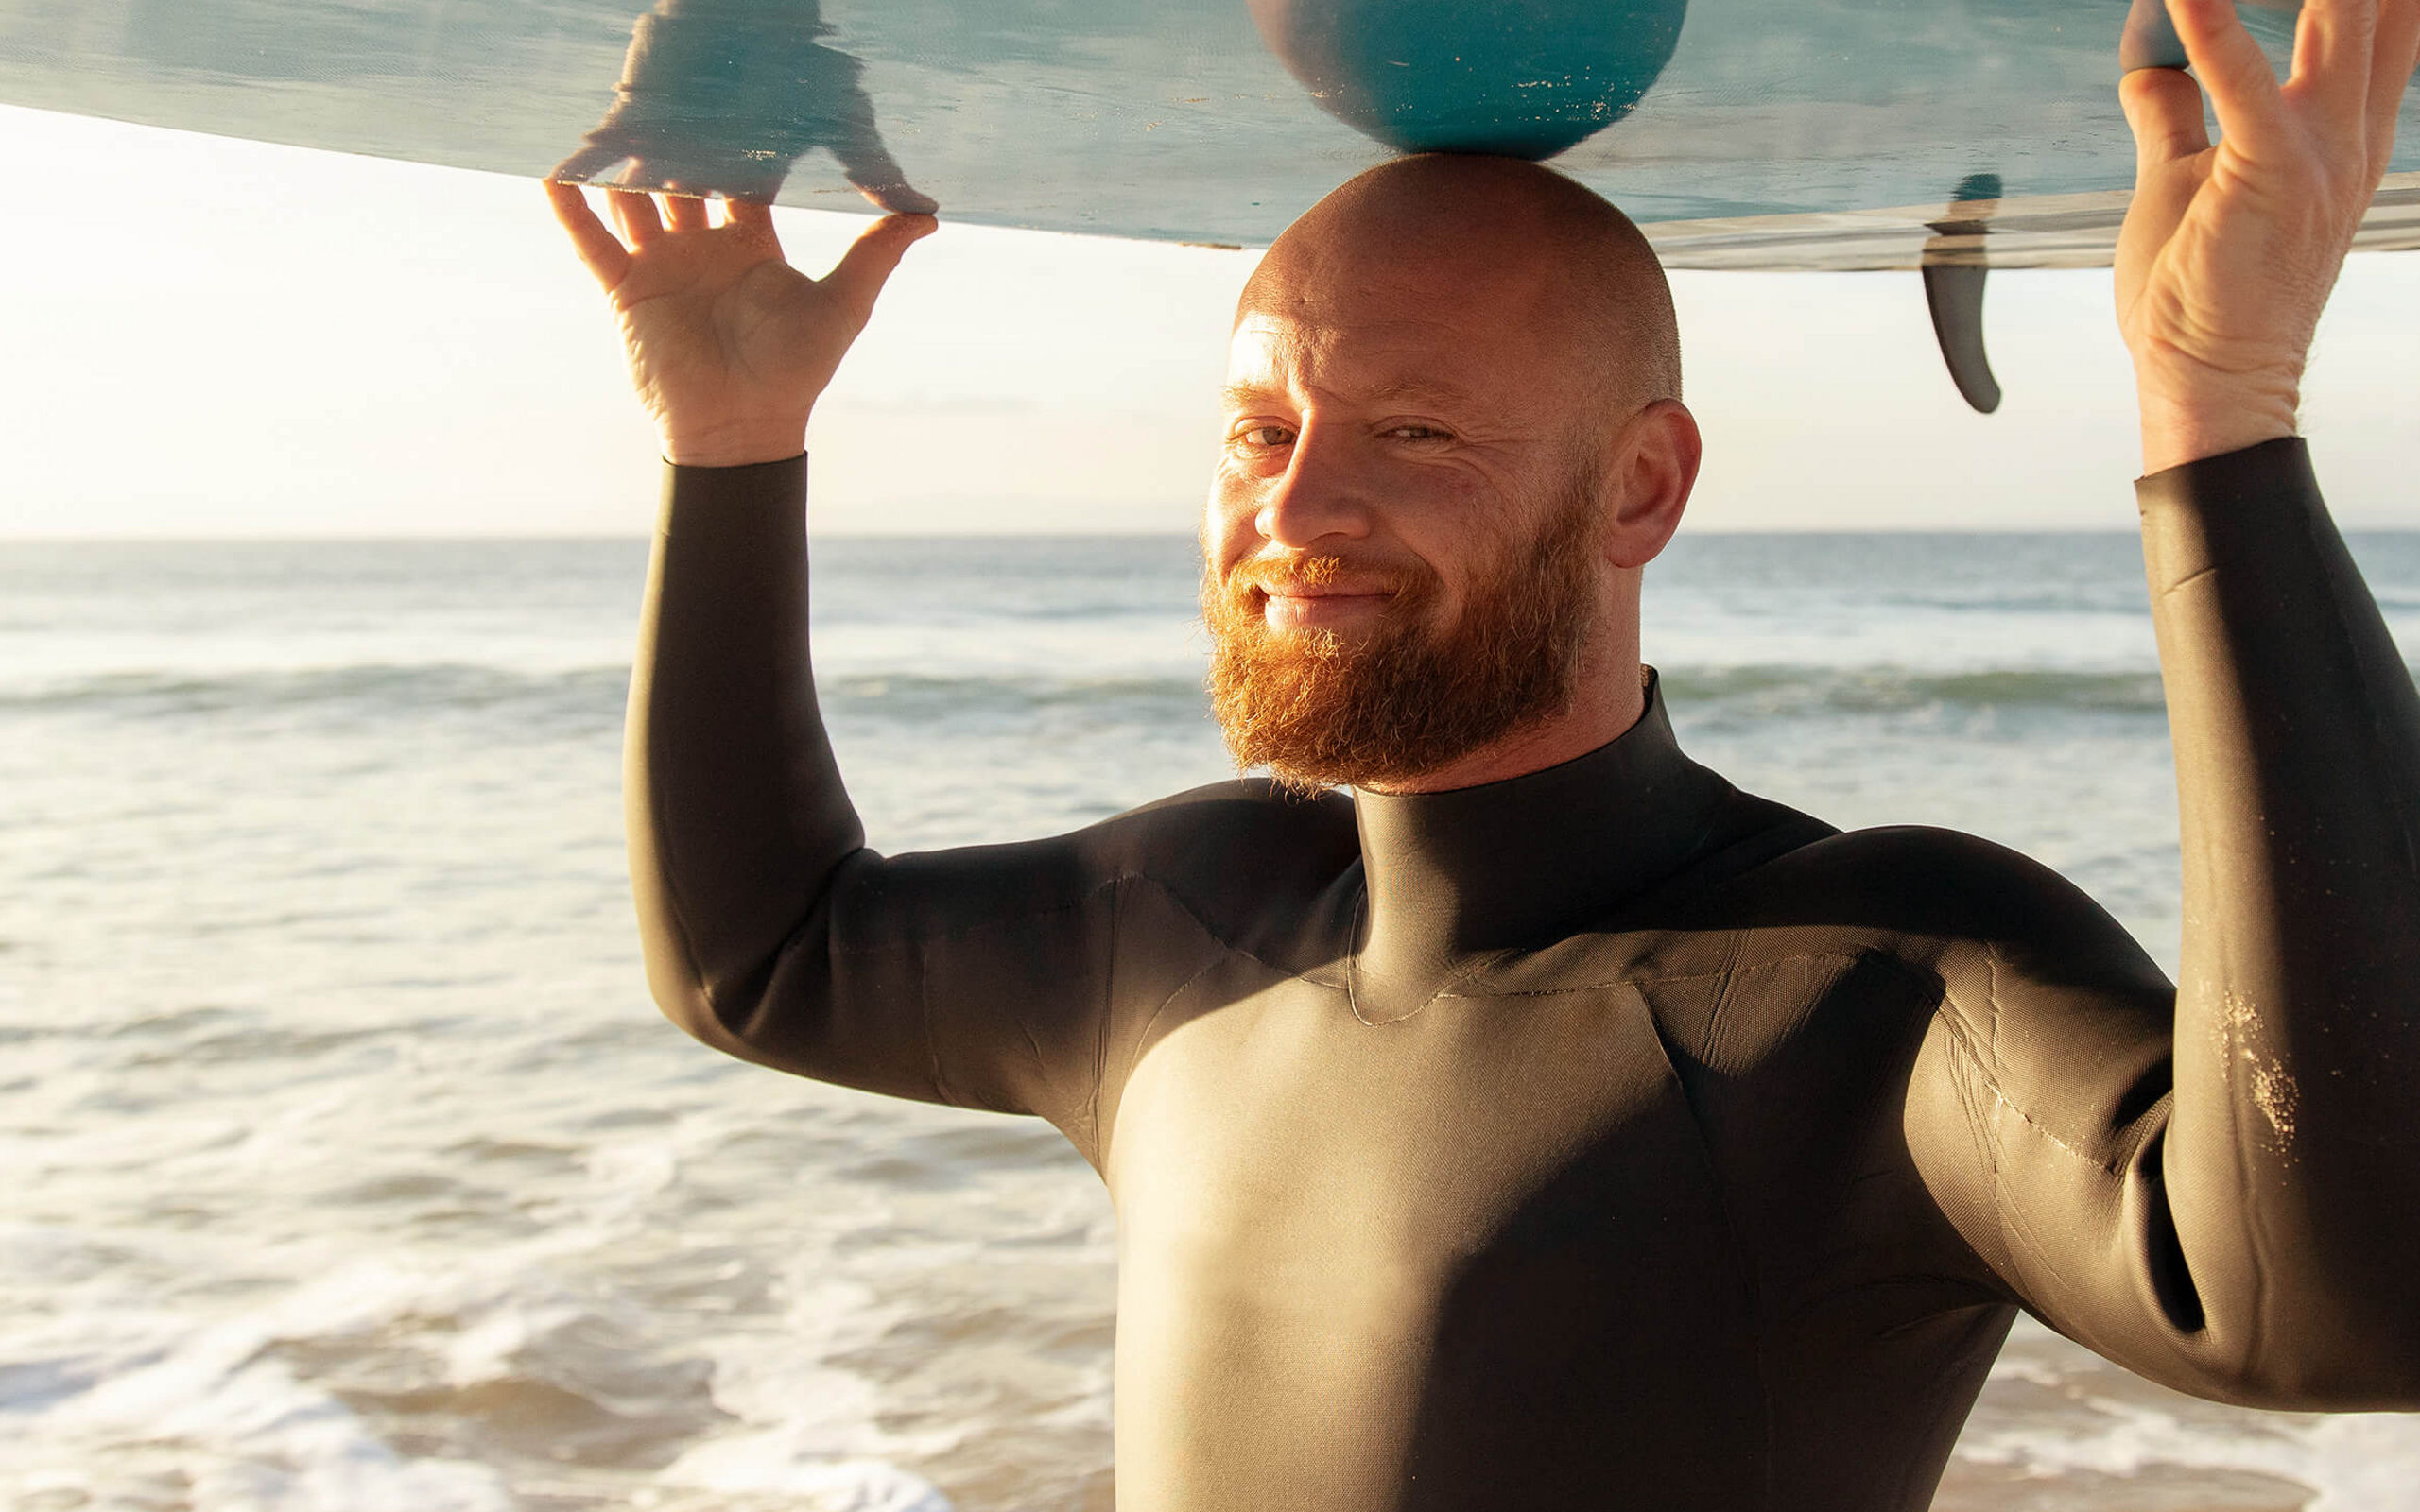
[[213, 337]]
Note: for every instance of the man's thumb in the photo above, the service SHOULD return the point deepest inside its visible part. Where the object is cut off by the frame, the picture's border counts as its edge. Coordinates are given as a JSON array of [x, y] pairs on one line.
[[866, 266]]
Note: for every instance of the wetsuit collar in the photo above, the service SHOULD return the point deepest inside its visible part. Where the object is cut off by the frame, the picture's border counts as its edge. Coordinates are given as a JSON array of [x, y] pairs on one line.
[[1515, 863]]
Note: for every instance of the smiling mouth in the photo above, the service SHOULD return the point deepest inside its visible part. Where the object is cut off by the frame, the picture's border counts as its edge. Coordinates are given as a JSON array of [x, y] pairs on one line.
[[1316, 592], [1319, 584], [1327, 608], [1322, 591]]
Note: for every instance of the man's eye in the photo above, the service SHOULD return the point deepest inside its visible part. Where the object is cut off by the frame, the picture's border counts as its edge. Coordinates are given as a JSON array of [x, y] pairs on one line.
[[1418, 433], [1264, 435]]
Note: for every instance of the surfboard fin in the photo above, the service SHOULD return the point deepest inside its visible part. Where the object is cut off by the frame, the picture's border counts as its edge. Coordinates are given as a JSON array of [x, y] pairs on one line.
[[1953, 274]]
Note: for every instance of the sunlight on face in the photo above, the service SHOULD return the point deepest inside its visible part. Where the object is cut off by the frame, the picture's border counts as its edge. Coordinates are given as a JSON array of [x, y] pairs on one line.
[[1400, 546], [1401, 436]]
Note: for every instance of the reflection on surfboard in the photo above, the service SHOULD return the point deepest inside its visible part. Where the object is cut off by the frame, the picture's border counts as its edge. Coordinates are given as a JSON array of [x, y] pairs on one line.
[[1762, 133], [722, 96], [1830, 135]]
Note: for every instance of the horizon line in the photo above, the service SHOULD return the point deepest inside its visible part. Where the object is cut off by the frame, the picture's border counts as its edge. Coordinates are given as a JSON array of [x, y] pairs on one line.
[[845, 533]]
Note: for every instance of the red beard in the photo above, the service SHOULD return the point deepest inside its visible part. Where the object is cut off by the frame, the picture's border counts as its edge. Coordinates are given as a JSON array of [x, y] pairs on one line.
[[1380, 708]]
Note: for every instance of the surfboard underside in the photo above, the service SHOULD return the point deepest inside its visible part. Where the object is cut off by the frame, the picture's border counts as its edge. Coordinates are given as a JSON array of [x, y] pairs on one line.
[[1742, 134]]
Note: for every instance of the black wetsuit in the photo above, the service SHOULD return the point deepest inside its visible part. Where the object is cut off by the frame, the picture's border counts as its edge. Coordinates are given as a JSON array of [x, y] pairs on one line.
[[1608, 1137]]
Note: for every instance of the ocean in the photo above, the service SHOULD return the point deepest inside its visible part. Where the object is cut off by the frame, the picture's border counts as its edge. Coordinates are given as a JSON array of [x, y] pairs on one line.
[[349, 1168]]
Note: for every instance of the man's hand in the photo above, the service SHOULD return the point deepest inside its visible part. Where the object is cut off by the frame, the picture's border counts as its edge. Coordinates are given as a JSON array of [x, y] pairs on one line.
[[2229, 251], [728, 345]]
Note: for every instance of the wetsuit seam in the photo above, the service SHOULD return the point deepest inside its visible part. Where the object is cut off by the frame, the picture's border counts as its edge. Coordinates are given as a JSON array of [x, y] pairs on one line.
[[1142, 1039], [1102, 1016], [1033, 1048], [1215, 935], [925, 1017], [1991, 1001], [2016, 1235], [1759, 1317], [1722, 996], [1614, 982], [1144, 1034], [1223, 947], [1964, 1087], [1991, 1083]]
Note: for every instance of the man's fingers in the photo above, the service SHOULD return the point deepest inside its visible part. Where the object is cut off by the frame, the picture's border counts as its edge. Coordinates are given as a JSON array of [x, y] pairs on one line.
[[866, 266], [688, 212], [2332, 56], [635, 209], [2163, 106], [599, 248], [2232, 68], [754, 219], [756, 214]]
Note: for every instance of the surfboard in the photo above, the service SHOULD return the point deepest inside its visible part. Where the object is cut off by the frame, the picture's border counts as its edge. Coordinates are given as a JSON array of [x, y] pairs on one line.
[[1742, 134]]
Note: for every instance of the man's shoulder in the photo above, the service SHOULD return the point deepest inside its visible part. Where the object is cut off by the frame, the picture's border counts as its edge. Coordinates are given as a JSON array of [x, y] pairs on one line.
[[1259, 800], [1232, 849], [1243, 810], [1943, 903], [1892, 857], [1870, 934], [1915, 882]]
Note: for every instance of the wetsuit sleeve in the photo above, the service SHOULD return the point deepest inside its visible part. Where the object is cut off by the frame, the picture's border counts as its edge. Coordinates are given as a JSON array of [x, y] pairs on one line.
[[2227, 1200], [974, 976]]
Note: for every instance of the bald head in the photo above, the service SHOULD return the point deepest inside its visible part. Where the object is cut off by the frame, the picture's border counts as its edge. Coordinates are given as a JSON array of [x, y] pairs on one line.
[[1559, 269], [1453, 438]]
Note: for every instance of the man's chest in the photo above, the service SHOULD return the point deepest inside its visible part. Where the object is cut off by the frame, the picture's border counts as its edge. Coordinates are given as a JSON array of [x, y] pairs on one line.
[[1354, 1256], [1268, 1114]]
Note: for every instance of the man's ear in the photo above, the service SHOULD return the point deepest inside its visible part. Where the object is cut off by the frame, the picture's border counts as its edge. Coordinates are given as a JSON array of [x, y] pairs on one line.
[[1655, 465]]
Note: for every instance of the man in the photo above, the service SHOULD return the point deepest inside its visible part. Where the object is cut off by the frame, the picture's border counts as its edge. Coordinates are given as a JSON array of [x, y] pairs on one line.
[[1551, 1124]]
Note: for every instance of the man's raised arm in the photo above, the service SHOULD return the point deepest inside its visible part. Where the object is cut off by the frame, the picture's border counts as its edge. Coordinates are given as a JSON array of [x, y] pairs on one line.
[[2255, 1237], [975, 976]]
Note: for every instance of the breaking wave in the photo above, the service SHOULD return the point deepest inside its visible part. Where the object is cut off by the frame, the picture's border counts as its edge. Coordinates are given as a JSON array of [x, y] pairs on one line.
[[403, 691]]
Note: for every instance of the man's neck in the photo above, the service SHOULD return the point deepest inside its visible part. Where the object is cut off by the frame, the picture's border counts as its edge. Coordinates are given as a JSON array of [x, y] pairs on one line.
[[1517, 863]]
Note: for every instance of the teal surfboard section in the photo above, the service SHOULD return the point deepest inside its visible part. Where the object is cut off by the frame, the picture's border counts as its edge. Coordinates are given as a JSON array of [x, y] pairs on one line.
[[1765, 133]]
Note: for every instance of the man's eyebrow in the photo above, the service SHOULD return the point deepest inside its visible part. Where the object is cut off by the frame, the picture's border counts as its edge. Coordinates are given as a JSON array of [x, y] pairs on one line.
[[1244, 395], [1238, 396], [1418, 391]]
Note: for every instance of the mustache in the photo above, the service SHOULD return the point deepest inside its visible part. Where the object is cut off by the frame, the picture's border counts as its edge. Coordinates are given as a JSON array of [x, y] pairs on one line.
[[1293, 573]]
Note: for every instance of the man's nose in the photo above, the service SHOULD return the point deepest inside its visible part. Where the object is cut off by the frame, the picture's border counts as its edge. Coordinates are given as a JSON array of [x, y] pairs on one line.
[[1318, 497]]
